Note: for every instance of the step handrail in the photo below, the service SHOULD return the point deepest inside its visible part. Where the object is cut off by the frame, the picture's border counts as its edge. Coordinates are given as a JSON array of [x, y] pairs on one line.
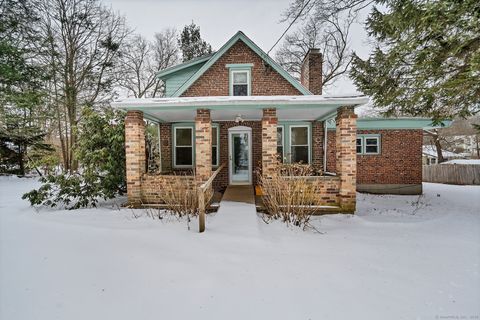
[[201, 198]]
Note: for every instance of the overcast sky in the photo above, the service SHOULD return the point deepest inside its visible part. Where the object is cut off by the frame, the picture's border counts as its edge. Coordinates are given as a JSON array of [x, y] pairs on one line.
[[221, 19]]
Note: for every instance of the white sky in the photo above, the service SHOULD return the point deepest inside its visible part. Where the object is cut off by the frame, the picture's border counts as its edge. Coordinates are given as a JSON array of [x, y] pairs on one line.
[[219, 20]]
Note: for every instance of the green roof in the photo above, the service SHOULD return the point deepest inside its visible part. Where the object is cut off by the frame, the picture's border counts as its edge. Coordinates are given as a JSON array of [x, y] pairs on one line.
[[394, 123], [168, 71]]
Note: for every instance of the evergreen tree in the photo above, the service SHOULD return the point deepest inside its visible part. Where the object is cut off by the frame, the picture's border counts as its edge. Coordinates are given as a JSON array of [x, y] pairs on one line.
[[192, 44], [21, 85], [101, 151], [427, 61]]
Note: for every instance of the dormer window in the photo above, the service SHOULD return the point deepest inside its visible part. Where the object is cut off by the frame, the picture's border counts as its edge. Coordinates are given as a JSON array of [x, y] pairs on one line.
[[240, 79], [240, 83]]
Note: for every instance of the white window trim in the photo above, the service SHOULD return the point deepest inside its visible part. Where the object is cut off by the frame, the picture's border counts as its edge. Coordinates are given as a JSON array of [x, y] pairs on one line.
[[175, 165], [308, 145], [249, 82], [364, 143]]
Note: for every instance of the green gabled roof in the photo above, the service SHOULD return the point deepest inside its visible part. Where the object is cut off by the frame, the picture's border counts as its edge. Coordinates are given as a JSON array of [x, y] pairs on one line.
[[394, 123], [238, 36], [168, 71]]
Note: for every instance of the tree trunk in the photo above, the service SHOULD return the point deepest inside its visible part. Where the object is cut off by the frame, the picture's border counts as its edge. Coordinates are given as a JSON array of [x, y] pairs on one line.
[[440, 158]]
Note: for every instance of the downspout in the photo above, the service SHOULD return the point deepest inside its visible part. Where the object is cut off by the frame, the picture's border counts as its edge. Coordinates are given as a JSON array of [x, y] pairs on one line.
[[325, 146], [159, 147]]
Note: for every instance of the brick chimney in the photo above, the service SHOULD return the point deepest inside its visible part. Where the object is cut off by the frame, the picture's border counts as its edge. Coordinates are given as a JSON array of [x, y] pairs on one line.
[[311, 72]]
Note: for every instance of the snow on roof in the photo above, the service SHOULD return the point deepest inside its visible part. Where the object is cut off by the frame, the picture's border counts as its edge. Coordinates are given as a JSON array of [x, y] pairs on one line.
[[463, 161], [430, 150], [352, 100]]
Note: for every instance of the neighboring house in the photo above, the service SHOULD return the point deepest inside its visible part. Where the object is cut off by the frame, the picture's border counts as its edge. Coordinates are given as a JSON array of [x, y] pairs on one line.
[[429, 155], [466, 144], [240, 108]]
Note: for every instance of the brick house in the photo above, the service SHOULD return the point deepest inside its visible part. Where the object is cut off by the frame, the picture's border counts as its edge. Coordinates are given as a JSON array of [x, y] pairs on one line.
[[238, 107]]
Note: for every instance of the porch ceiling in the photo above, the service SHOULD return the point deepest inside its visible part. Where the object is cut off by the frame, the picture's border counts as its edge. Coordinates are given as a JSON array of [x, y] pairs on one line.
[[227, 108]]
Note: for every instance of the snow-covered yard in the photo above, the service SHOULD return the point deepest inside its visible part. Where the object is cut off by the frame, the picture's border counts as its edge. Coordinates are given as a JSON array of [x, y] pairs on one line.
[[400, 257]]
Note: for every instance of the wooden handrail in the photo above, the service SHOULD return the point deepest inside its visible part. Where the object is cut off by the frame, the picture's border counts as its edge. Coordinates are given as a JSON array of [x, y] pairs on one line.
[[201, 198], [207, 183]]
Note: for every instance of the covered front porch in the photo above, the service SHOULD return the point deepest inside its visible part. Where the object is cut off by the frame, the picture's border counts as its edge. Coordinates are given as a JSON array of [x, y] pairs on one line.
[[237, 139]]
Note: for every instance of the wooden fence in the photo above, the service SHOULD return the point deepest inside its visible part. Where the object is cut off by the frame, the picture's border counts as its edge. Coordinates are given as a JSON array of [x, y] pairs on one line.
[[452, 173]]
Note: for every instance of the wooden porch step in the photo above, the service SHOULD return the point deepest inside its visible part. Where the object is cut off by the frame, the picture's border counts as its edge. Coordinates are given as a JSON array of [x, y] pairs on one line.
[[239, 193]]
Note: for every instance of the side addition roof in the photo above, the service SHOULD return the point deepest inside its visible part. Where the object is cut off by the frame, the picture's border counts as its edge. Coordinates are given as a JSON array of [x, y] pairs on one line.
[[210, 60]]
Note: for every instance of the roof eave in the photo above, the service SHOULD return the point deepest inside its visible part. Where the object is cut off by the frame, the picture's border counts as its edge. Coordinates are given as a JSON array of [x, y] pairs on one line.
[[173, 69]]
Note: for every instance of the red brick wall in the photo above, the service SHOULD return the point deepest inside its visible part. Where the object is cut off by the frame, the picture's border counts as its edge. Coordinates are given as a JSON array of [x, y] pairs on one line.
[[400, 161], [221, 181], [166, 146], [317, 145], [265, 81]]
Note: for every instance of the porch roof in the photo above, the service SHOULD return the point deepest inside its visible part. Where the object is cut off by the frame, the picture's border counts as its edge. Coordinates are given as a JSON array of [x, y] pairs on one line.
[[224, 108]]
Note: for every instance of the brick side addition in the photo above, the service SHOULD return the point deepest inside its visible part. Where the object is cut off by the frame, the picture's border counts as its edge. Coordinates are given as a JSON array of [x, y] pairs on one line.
[[269, 140], [346, 157], [134, 154], [400, 160], [203, 145], [265, 81], [311, 71]]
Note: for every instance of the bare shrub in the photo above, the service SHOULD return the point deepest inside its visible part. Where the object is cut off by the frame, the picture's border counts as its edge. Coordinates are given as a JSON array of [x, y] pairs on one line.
[[288, 194], [181, 197]]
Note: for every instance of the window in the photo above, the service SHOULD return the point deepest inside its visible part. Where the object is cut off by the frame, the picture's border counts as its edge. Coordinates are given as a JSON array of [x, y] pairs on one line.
[[183, 146], [280, 143], [299, 144], [368, 144], [240, 82], [371, 145], [359, 145], [215, 132]]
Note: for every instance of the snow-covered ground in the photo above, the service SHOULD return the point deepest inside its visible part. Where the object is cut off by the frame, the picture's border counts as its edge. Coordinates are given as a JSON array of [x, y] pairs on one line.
[[400, 257], [463, 161]]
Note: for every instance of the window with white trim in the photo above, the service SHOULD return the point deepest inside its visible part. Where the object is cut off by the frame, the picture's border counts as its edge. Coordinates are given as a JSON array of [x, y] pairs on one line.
[[215, 132], [240, 82], [280, 143], [299, 144], [183, 146], [359, 145], [368, 144]]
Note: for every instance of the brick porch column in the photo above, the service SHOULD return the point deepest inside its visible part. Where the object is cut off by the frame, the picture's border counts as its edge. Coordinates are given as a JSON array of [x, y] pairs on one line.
[[134, 154], [269, 140], [346, 157], [203, 145]]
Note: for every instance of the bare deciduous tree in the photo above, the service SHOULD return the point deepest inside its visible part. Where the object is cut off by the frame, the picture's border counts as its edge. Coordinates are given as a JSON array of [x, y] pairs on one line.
[[330, 35], [321, 9], [166, 54], [83, 40], [142, 60]]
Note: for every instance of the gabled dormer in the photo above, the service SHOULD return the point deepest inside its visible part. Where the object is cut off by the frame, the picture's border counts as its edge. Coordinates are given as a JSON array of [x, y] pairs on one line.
[[239, 67]]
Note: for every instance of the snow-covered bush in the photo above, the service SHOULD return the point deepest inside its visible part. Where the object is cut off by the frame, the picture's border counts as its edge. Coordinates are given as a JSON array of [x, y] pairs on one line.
[[100, 151]]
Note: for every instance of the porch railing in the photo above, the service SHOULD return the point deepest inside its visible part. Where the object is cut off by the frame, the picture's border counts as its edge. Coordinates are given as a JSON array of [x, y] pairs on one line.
[[201, 198]]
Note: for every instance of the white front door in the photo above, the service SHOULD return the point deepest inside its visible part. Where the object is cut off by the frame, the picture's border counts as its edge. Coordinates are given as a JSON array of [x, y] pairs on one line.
[[240, 155]]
